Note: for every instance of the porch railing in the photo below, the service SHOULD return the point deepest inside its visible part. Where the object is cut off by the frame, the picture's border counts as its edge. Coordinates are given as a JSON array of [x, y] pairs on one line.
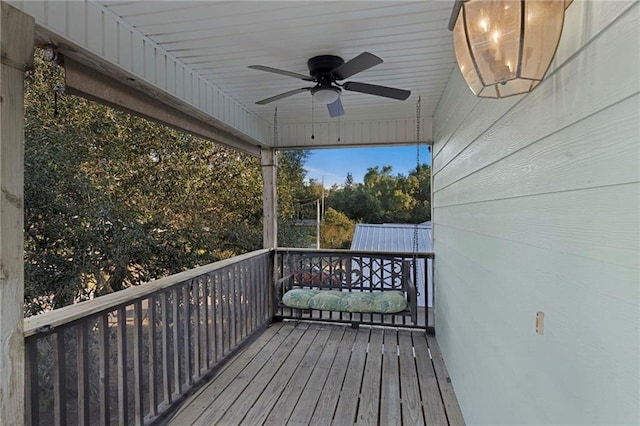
[[127, 357], [356, 271]]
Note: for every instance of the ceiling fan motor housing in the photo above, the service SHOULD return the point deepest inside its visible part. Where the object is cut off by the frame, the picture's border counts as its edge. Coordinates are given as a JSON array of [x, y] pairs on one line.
[[321, 66]]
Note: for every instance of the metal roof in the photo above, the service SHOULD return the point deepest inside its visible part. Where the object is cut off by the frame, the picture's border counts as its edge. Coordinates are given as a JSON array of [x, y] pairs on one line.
[[391, 237]]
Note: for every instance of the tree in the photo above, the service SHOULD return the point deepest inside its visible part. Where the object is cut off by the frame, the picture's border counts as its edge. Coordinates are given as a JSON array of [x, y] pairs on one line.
[[383, 197], [291, 190], [336, 230], [418, 186]]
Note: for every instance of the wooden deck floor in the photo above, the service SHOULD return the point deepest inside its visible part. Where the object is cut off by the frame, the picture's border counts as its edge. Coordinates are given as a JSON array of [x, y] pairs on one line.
[[321, 374]]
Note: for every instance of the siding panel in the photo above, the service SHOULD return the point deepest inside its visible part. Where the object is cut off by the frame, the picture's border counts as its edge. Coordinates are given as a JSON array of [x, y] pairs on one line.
[[560, 222], [561, 162]]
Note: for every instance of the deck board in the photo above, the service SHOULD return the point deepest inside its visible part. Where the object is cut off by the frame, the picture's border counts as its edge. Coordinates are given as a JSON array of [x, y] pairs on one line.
[[200, 401], [370, 395], [270, 380], [328, 399], [431, 397], [454, 415], [349, 395], [306, 373], [237, 387], [281, 399], [390, 392], [306, 405], [409, 387]]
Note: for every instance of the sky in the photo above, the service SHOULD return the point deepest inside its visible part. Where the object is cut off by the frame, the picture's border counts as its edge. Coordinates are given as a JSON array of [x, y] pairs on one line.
[[334, 164]]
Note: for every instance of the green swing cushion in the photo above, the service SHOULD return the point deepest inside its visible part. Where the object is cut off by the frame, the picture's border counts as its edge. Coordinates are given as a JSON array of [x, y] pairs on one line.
[[299, 298], [378, 302]]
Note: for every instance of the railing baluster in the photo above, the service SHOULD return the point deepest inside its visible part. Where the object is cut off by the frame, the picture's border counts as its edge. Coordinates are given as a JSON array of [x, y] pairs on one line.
[[226, 312], [166, 361], [186, 333], [103, 355], [234, 306], [240, 282], [248, 285], [137, 364], [252, 293], [215, 305], [82, 342], [231, 312], [123, 399], [237, 289], [393, 277], [261, 282], [195, 291], [32, 390], [153, 347], [207, 328], [59, 379], [177, 383]]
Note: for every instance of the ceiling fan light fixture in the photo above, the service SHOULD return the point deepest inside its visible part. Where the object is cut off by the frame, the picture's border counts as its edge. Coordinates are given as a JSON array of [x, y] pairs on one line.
[[326, 95]]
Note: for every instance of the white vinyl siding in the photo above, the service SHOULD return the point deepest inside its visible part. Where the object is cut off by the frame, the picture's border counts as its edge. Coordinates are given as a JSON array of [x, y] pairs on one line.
[[536, 207]]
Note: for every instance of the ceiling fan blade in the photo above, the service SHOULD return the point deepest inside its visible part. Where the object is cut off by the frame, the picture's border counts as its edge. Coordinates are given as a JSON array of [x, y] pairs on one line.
[[335, 108], [283, 95], [281, 72], [373, 89], [362, 62]]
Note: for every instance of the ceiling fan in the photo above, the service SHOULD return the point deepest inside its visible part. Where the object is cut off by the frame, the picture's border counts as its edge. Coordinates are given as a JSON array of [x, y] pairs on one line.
[[326, 71]]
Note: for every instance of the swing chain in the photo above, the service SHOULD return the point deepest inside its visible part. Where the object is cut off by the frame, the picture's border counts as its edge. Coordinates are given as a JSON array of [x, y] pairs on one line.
[[418, 118], [275, 129]]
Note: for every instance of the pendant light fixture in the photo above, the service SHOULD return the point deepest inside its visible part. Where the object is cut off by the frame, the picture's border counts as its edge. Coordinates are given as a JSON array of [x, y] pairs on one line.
[[504, 47]]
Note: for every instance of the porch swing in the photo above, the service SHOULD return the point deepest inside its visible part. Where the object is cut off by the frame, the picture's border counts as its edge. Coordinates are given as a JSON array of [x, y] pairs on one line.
[[349, 286]]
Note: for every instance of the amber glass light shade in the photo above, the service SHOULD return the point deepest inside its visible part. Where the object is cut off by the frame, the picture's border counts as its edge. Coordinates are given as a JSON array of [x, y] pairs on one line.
[[505, 47]]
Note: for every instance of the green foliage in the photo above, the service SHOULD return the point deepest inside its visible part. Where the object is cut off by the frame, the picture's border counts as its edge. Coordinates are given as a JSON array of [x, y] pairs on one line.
[[336, 230], [292, 191], [385, 198], [113, 200], [291, 187]]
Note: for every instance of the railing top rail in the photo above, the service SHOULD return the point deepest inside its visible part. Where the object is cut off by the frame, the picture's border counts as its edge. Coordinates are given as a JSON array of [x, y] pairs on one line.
[[428, 255], [59, 317]]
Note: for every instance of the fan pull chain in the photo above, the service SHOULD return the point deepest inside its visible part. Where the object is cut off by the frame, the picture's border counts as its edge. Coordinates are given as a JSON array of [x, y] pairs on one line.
[[313, 116], [339, 123]]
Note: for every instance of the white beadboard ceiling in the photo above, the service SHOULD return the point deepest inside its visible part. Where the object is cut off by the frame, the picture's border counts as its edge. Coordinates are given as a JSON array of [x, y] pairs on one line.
[[219, 40]]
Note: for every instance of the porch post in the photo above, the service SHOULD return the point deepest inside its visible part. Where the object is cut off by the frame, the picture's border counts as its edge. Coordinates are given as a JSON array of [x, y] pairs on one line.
[[269, 165], [16, 41]]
